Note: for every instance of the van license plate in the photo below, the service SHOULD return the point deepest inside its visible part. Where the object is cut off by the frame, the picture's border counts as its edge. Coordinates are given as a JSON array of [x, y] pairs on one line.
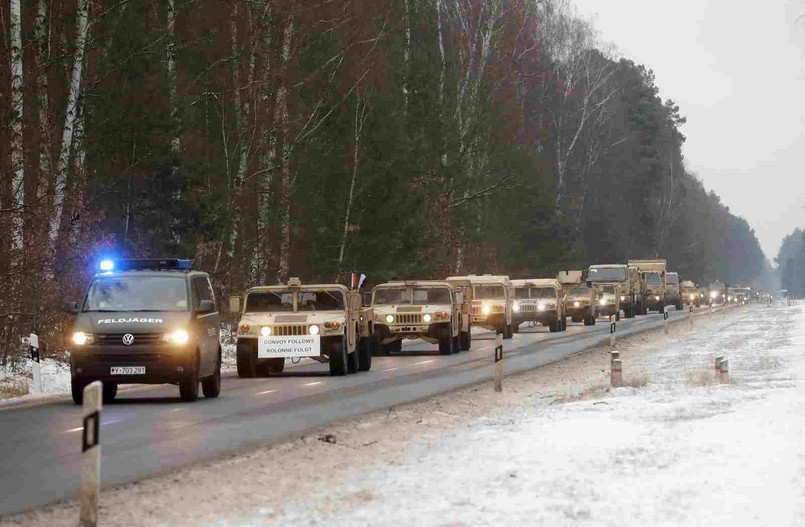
[[128, 370]]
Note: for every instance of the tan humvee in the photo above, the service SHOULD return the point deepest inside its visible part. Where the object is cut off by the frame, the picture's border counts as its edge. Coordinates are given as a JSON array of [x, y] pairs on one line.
[[491, 298], [539, 300], [580, 302], [673, 290], [430, 310], [691, 293], [653, 274], [317, 321]]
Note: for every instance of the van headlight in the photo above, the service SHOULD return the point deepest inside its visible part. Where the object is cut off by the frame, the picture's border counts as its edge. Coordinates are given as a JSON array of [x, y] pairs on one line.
[[82, 339], [176, 337]]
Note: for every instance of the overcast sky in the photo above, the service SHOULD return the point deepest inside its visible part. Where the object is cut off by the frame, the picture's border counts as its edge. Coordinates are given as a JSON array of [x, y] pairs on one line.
[[737, 70]]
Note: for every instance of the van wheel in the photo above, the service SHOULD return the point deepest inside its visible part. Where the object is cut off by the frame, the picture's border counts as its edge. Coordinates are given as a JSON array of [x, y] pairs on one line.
[[338, 358], [466, 339], [109, 392], [77, 389], [188, 387], [446, 341], [211, 386], [246, 358], [365, 350]]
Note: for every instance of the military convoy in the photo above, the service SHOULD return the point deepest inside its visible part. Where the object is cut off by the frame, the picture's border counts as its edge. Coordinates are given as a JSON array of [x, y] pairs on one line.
[[492, 301], [430, 310], [580, 304], [293, 321], [539, 301]]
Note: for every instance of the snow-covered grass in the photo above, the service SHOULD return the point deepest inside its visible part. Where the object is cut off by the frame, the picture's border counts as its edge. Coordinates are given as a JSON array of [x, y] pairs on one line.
[[16, 380]]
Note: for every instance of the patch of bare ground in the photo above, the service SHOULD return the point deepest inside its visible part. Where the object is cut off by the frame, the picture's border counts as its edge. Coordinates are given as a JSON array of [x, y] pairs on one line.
[[318, 464]]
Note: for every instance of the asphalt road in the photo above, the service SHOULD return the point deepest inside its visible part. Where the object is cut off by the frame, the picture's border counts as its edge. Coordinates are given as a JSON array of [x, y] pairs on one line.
[[150, 431]]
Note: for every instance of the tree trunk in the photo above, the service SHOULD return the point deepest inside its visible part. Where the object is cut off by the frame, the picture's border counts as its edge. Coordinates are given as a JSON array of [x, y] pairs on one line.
[[176, 124], [17, 155], [70, 117], [259, 259], [360, 119], [285, 181], [41, 54]]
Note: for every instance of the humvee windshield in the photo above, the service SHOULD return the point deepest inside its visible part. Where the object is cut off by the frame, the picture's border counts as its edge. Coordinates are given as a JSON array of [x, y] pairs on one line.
[[608, 289], [672, 279], [543, 293], [579, 291], [137, 293], [421, 296], [605, 274], [332, 300], [269, 302], [653, 278], [435, 295], [521, 293], [485, 292]]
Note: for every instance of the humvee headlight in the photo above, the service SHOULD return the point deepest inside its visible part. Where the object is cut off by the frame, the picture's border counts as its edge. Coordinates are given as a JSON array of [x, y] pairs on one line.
[[265, 331], [693, 297], [623, 298], [576, 304], [485, 310], [603, 301], [516, 307], [541, 307], [389, 318], [427, 317], [713, 294], [244, 328], [313, 330], [80, 338]]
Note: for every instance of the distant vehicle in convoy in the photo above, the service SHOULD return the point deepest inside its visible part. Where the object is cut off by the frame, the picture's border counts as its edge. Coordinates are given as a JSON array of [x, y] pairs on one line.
[[539, 300], [422, 309], [148, 321], [624, 289], [653, 273], [740, 295], [673, 290], [580, 303], [315, 321], [716, 293], [492, 300], [691, 293]]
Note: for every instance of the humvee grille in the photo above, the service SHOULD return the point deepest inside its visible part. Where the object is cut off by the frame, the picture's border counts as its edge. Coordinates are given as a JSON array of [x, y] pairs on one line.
[[408, 319], [285, 331], [476, 310], [528, 308]]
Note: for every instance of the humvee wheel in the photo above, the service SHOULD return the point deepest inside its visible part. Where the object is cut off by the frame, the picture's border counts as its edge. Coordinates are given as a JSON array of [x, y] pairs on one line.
[[564, 324], [245, 360], [515, 327], [587, 321], [446, 341], [188, 387], [338, 358], [507, 331], [553, 327], [466, 339], [457, 343], [211, 386], [618, 316], [353, 362], [365, 349]]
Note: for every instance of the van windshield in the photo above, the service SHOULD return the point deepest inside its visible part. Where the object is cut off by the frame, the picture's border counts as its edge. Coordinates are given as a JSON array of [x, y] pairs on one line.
[[137, 293]]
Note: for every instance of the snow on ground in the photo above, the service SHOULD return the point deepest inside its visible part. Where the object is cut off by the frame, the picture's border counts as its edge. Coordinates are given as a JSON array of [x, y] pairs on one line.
[[680, 451]]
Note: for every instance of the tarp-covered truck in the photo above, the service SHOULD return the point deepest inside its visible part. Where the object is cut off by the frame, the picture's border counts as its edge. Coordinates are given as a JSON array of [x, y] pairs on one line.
[[653, 273]]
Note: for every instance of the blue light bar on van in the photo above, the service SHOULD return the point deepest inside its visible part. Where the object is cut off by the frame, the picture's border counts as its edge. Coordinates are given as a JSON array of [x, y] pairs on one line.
[[156, 264], [107, 265]]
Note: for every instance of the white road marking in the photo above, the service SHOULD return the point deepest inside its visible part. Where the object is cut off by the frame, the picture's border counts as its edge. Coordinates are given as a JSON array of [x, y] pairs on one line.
[[103, 423], [423, 362], [390, 369], [73, 430], [312, 383], [265, 392]]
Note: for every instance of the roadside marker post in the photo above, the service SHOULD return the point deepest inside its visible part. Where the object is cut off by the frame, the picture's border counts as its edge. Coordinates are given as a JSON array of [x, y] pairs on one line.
[[690, 316], [91, 454], [616, 373], [725, 372], [665, 321], [37, 367], [612, 328], [499, 364], [719, 360]]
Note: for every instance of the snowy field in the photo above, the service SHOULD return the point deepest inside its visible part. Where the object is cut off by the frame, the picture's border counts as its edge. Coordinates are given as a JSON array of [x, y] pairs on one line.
[[556, 448]]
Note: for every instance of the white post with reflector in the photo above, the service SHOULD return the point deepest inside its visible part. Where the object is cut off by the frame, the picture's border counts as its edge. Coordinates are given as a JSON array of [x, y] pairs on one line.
[[499, 364], [36, 367], [91, 454]]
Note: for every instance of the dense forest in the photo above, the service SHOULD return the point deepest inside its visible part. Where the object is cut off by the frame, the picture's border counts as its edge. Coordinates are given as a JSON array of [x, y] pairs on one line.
[[791, 263], [270, 138]]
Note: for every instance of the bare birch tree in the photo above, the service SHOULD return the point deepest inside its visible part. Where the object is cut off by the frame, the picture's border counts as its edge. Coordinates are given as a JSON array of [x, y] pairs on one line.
[[17, 154]]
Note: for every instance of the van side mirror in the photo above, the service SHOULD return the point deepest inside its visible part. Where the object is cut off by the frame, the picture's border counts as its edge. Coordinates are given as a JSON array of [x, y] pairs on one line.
[[71, 308], [234, 304], [205, 306]]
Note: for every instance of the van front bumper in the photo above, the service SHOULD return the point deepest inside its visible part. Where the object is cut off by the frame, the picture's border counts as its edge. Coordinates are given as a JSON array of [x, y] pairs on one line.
[[163, 363]]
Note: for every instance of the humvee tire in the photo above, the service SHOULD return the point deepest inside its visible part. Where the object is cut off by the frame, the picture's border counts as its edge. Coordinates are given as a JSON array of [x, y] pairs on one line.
[[466, 339], [579, 319], [365, 349], [515, 327], [245, 360], [662, 309], [507, 332], [338, 358], [211, 386], [564, 324], [617, 316], [553, 327], [457, 343], [446, 341], [353, 362]]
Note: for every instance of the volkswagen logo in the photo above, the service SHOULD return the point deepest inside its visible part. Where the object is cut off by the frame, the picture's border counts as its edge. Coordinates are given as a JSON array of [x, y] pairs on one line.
[[128, 339]]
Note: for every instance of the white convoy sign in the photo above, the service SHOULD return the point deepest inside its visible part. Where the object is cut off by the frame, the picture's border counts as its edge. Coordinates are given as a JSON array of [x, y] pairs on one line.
[[298, 346]]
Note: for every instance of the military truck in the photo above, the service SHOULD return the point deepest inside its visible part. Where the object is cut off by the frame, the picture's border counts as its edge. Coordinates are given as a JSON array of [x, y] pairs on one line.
[[742, 295], [146, 321], [580, 303], [653, 273], [422, 309], [691, 293], [673, 290], [716, 293], [539, 300], [492, 299], [295, 320], [617, 287]]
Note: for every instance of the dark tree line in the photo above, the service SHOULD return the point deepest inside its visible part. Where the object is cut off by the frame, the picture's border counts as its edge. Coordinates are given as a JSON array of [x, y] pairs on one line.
[[791, 263], [270, 138]]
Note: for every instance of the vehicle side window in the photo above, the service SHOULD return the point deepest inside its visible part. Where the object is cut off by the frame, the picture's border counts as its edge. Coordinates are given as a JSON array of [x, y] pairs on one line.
[[201, 291]]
